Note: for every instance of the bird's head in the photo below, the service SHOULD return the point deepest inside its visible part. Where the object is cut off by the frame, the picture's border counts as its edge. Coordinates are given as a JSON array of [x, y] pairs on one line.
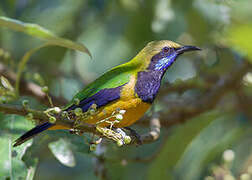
[[159, 55]]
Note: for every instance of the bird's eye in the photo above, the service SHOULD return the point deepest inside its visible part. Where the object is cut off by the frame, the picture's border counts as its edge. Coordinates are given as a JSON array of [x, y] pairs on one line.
[[166, 49]]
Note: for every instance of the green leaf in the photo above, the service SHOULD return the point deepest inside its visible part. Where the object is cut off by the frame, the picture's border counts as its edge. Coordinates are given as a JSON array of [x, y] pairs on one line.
[[240, 38], [39, 32], [11, 163], [211, 142], [5, 82], [62, 151], [175, 146]]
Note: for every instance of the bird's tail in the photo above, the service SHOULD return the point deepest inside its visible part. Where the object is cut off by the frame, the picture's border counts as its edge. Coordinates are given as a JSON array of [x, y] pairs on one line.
[[33, 132]]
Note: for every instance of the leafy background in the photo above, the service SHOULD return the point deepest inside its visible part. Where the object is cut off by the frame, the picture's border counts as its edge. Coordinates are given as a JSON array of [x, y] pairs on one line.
[[114, 31]]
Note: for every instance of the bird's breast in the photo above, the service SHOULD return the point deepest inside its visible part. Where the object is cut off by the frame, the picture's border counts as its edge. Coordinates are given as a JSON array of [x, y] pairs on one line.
[[148, 84], [128, 101]]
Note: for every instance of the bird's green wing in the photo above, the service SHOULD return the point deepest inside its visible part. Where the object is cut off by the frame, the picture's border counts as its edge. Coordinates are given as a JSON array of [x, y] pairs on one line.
[[104, 87]]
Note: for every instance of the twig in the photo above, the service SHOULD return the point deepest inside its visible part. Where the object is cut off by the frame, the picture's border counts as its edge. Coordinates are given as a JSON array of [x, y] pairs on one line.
[[154, 132], [194, 83], [244, 103]]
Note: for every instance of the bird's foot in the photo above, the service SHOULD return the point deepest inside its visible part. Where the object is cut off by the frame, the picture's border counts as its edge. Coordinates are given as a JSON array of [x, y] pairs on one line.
[[115, 117], [111, 123], [117, 135], [135, 134]]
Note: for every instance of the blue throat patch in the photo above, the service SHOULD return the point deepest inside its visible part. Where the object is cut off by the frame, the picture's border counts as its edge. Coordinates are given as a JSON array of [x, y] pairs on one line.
[[163, 60]]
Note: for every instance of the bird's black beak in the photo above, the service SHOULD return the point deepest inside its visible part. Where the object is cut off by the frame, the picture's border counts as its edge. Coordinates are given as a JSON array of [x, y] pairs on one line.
[[186, 49]]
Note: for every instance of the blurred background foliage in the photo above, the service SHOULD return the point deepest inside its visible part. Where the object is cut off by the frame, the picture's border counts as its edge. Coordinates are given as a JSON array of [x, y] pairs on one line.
[[114, 31]]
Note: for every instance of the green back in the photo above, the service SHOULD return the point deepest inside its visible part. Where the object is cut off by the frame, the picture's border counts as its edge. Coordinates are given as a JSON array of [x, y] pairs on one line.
[[115, 77]]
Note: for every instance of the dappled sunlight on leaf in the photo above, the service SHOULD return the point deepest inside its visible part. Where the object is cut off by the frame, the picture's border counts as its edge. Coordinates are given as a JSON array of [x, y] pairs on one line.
[[206, 146], [173, 149], [240, 38], [62, 151], [39, 32], [11, 158]]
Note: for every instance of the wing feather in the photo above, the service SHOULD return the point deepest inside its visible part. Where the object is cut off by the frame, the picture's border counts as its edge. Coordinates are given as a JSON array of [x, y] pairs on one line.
[[104, 89], [101, 98]]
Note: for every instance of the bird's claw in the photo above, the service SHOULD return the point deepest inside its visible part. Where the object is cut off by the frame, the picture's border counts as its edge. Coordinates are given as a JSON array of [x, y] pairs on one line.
[[117, 135], [135, 134]]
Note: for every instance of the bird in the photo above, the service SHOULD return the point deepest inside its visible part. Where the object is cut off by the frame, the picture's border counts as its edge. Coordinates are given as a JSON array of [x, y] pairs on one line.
[[132, 87]]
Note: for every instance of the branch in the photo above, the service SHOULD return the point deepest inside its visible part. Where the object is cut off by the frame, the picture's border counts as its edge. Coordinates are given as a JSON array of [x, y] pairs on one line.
[[11, 109], [40, 116], [244, 103], [180, 87], [154, 132]]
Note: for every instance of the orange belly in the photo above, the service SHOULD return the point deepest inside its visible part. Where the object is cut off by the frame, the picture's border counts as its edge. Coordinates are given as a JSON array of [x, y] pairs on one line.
[[134, 108]]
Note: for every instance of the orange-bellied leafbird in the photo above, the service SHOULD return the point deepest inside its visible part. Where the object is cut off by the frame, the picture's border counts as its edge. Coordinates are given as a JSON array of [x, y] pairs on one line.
[[131, 86]]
